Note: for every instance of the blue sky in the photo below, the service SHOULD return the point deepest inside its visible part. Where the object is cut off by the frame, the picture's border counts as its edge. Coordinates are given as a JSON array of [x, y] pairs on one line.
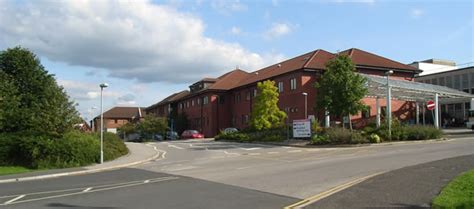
[[147, 50]]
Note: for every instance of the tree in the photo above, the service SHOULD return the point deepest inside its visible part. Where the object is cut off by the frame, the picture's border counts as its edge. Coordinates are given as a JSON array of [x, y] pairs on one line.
[[265, 113], [126, 129], [30, 99], [152, 125], [340, 89]]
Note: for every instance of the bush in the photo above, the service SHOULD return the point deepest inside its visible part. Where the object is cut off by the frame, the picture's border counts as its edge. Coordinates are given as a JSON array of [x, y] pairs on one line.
[[74, 149], [357, 138], [235, 136], [374, 138], [419, 132], [319, 139], [339, 135]]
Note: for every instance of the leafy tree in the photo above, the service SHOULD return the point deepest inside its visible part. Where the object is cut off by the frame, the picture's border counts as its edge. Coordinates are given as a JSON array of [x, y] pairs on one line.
[[340, 89], [265, 113], [30, 99], [128, 128], [152, 125]]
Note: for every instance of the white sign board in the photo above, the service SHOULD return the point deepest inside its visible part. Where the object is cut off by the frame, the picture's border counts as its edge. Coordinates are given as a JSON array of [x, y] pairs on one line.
[[301, 128]]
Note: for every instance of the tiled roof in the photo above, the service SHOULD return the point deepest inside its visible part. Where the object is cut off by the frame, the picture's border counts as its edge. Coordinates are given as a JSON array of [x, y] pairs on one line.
[[229, 80], [316, 59], [363, 58], [124, 112], [171, 98]]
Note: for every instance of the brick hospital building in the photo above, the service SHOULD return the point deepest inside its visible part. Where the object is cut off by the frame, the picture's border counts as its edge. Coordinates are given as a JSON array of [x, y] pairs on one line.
[[213, 104]]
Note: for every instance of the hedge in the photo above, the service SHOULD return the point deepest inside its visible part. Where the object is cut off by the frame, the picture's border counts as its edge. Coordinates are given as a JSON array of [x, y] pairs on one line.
[[72, 150]]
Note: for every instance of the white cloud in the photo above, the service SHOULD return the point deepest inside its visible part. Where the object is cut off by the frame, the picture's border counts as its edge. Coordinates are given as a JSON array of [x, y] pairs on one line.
[[227, 7], [131, 40], [84, 91], [416, 13], [277, 30], [235, 30]]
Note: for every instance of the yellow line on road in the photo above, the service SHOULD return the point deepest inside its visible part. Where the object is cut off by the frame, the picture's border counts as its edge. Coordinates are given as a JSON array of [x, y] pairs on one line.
[[329, 192]]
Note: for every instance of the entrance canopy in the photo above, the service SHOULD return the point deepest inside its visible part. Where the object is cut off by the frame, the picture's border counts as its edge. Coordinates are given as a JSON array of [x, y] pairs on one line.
[[414, 91]]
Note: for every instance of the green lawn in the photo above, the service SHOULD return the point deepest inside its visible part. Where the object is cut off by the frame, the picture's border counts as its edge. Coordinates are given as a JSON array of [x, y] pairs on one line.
[[6, 170], [459, 193]]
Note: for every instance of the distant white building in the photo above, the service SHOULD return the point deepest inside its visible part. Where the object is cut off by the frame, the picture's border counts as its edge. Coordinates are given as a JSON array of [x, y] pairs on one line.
[[432, 66]]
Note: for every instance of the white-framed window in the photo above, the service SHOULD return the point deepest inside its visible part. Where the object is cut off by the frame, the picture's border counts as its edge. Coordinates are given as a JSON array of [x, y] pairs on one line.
[[205, 100], [254, 92], [280, 86], [199, 101], [192, 102], [293, 83], [187, 104]]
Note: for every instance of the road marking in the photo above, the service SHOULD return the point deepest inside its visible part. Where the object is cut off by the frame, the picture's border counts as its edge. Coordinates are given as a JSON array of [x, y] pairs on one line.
[[294, 151], [231, 153], [250, 149], [272, 153], [14, 199], [241, 168], [125, 184], [86, 190], [146, 181], [315, 198], [254, 153], [174, 146]]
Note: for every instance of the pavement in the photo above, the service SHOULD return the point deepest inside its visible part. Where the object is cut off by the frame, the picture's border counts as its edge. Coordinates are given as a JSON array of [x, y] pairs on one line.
[[138, 153], [409, 187]]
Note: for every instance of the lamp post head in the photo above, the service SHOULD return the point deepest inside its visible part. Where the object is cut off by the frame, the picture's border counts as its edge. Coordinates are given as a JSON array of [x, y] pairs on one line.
[[104, 85], [305, 94], [390, 72]]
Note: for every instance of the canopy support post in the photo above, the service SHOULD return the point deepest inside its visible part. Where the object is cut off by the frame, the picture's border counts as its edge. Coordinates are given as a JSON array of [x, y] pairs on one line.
[[417, 106], [436, 112], [327, 119], [377, 117]]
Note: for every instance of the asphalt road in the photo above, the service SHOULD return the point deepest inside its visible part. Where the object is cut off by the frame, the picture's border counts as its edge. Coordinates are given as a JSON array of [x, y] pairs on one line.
[[134, 188], [208, 174], [409, 187]]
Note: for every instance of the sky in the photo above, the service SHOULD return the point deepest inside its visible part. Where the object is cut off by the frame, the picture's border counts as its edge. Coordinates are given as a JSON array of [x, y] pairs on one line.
[[147, 50]]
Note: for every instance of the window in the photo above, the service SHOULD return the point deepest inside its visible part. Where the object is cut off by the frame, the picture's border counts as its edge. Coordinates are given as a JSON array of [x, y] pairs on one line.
[[237, 97], [441, 81], [293, 83], [198, 101], [434, 81], [466, 90], [192, 102], [245, 119], [247, 96], [465, 81], [449, 81], [254, 92], [457, 81], [205, 100], [116, 121], [472, 80], [221, 99], [280, 86], [187, 104]]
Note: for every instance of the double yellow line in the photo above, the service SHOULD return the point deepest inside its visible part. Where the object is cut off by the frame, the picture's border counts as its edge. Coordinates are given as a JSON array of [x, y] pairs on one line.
[[329, 192]]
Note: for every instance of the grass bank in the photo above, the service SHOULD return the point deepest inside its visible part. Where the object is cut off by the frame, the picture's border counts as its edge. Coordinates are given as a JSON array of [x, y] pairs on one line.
[[459, 193], [7, 170]]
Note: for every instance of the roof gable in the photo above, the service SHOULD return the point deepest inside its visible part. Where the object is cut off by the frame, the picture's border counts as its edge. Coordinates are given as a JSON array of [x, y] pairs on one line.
[[124, 112], [363, 58]]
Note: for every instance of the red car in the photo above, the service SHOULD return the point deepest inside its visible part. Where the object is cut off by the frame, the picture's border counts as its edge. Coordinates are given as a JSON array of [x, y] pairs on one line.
[[191, 134]]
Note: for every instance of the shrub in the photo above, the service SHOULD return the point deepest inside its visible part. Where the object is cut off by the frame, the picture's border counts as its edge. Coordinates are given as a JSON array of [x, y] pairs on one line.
[[74, 149], [374, 138], [357, 138], [235, 136], [339, 135], [319, 139], [419, 132]]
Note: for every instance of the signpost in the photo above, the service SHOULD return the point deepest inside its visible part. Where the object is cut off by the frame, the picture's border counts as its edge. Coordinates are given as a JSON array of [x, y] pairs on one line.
[[302, 128], [430, 105]]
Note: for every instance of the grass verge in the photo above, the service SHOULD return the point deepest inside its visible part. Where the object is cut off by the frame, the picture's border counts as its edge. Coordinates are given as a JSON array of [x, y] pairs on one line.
[[459, 193], [7, 170]]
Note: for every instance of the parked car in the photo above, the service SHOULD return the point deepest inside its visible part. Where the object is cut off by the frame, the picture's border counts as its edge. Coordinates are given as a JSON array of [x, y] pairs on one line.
[[230, 130], [191, 134], [172, 135]]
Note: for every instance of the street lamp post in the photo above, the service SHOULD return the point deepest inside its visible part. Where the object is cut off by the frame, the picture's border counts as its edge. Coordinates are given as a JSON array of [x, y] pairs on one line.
[[102, 86], [305, 105], [389, 104]]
